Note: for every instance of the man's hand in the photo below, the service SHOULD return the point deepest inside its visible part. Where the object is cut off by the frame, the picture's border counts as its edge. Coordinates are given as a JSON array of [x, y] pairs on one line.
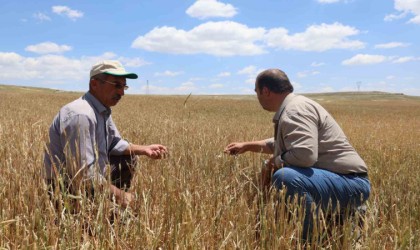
[[235, 148], [155, 151], [122, 198], [126, 199]]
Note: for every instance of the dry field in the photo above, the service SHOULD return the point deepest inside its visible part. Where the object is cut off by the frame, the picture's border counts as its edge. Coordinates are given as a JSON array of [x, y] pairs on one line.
[[200, 198]]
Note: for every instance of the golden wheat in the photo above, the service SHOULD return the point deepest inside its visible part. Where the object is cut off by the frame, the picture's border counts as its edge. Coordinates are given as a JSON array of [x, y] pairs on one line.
[[198, 197]]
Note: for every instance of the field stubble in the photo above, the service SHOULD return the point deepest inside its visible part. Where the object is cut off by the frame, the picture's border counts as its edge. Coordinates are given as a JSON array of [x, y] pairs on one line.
[[198, 197]]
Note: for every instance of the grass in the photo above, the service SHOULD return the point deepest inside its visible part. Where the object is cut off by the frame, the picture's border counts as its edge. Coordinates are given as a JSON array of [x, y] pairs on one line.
[[198, 197]]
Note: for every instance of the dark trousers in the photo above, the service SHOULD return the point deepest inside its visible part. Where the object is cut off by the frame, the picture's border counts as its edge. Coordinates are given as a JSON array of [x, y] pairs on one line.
[[122, 171]]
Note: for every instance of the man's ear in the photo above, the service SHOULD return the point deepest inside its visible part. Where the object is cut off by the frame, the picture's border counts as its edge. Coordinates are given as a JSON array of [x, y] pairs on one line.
[[266, 91], [93, 83]]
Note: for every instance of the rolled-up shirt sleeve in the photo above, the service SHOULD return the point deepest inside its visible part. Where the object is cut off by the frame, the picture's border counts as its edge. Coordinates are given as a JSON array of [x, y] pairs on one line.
[[300, 137]]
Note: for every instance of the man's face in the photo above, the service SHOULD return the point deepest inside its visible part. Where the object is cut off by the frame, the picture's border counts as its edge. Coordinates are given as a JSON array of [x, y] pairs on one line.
[[108, 90]]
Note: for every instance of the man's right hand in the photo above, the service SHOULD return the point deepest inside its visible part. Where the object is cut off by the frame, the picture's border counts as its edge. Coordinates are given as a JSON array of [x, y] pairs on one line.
[[235, 148], [127, 199], [124, 199]]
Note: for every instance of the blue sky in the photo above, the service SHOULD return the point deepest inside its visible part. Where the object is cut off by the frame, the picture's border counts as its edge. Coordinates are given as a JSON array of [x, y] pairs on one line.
[[214, 47]]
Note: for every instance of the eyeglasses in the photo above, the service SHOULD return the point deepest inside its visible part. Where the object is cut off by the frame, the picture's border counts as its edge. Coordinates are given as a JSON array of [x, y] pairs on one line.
[[117, 85]]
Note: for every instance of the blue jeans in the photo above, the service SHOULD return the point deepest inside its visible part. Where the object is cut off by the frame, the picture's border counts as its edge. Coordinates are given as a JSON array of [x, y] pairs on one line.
[[318, 186]]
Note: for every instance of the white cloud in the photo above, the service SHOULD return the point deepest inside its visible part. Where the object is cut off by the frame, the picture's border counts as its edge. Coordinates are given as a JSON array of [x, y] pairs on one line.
[[249, 70], [315, 38], [216, 86], [224, 74], [306, 73], [361, 59], [41, 17], [392, 17], [203, 9], [66, 11], [133, 62], [16, 67], [41, 69], [186, 87], [317, 64], [390, 77], [406, 7], [405, 59], [391, 45], [48, 48], [214, 38], [169, 73], [229, 38], [297, 85], [251, 73]]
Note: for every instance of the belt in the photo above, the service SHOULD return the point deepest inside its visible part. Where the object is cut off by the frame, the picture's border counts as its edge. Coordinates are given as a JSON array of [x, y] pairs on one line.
[[362, 175]]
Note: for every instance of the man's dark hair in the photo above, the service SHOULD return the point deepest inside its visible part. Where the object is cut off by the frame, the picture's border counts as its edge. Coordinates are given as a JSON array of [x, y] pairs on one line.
[[275, 80]]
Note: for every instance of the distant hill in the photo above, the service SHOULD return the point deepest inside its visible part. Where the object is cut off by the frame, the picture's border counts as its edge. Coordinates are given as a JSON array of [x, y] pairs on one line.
[[24, 88], [363, 95], [29, 89]]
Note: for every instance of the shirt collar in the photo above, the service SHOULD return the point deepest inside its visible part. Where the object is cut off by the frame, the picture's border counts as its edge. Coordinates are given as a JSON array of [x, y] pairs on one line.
[[96, 104], [286, 100]]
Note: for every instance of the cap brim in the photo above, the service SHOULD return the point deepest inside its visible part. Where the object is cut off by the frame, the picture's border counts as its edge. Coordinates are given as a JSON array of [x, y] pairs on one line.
[[126, 75]]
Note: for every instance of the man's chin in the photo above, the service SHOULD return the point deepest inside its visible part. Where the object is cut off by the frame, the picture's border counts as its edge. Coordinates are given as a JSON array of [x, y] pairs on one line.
[[113, 102]]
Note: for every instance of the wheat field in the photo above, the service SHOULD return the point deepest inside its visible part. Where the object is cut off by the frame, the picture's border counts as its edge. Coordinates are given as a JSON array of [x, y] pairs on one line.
[[199, 198]]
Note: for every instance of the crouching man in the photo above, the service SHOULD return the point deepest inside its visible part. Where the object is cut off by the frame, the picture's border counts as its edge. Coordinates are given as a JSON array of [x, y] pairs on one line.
[[85, 145], [312, 157]]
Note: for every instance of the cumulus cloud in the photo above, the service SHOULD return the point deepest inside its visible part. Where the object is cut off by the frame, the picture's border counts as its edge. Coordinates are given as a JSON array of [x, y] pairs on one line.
[[315, 38], [224, 74], [133, 62], [405, 8], [215, 38], [203, 9], [317, 64], [66, 11], [227, 38], [216, 86], [48, 48], [17, 67], [391, 45], [249, 70], [405, 59], [251, 73], [392, 17], [41, 17], [44, 68], [306, 73], [362, 59], [169, 73], [186, 87]]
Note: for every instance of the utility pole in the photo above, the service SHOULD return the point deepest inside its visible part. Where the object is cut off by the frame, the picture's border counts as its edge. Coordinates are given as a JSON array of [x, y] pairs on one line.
[[359, 83], [147, 87]]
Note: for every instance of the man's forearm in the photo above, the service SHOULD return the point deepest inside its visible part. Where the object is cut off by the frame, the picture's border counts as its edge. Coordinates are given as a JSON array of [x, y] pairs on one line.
[[258, 147]]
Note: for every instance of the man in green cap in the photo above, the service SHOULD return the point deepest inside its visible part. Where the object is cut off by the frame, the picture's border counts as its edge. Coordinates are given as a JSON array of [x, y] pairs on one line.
[[85, 144]]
